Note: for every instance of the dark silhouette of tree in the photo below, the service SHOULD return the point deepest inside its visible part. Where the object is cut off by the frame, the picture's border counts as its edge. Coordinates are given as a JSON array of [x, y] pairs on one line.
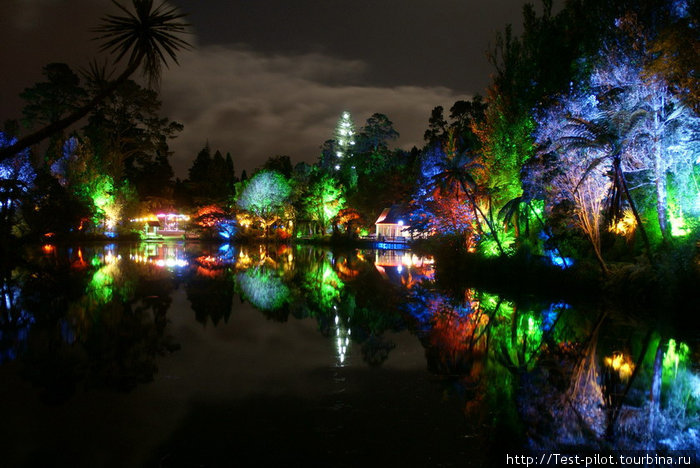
[[146, 36], [47, 101], [129, 139], [279, 163], [437, 126], [466, 115], [230, 170], [376, 134], [200, 165], [210, 298], [51, 208], [211, 179], [676, 54], [220, 178]]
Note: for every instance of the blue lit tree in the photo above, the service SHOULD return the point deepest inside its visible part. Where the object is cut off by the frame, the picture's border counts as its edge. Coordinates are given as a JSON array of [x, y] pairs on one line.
[[623, 132], [660, 137], [559, 167], [16, 176], [438, 209]]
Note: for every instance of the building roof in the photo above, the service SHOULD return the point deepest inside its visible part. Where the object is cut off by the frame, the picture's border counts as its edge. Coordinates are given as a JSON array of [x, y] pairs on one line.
[[392, 216]]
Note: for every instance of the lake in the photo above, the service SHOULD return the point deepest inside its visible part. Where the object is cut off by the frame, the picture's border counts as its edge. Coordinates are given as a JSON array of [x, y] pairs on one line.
[[173, 354]]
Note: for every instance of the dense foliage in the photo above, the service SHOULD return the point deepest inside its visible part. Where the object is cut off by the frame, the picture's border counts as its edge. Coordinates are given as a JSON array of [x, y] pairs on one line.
[[584, 148]]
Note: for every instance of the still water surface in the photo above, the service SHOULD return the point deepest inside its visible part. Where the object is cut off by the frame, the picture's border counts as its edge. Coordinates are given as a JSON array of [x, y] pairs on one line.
[[205, 355]]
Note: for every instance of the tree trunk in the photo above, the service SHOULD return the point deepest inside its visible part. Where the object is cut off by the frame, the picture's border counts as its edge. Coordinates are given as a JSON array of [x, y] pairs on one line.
[[659, 172], [661, 205], [599, 257], [551, 236], [472, 199], [614, 411], [621, 179], [655, 393], [660, 183]]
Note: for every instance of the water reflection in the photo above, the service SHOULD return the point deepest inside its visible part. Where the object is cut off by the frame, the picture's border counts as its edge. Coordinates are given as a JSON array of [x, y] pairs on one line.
[[84, 318], [162, 255], [15, 321], [544, 374]]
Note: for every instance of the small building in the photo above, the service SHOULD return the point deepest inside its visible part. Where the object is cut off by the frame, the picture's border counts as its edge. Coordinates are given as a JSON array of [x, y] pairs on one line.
[[163, 226], [151, 229], [392, 224]]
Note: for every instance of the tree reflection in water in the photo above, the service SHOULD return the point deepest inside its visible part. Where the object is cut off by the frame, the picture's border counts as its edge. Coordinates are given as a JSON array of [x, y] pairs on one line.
[[532, 373], [15, 321], [95, 326]]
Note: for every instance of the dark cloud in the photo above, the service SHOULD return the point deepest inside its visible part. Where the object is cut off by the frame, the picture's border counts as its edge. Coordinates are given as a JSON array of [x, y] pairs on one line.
[[404, 42], [271, 76], [258, 105], [34, 33]]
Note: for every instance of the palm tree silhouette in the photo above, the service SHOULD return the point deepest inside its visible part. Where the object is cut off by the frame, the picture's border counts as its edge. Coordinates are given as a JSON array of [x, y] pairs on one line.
[[456, 170], [148, 36]]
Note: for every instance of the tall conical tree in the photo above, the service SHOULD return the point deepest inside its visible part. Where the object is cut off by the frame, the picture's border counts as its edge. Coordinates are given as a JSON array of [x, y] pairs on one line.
[[344, 137]]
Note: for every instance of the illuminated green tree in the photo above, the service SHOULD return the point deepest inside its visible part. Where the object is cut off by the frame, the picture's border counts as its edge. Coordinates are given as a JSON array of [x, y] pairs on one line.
[[263, 287], [265, 195], [323, 201], [87, 176], [323, 286]]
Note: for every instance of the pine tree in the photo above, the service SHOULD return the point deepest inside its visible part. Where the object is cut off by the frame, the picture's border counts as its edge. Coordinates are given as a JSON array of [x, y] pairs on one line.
[[200, 167], [344, 137]]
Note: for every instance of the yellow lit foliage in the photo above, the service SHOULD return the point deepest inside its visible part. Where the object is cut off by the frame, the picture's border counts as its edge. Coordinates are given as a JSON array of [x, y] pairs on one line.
[[625, 225], [621, 364]]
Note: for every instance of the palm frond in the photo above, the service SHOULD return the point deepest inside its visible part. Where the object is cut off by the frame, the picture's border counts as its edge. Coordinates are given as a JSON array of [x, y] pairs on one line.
[[594, 164], [149, 36], [510, 210], [97, 73]]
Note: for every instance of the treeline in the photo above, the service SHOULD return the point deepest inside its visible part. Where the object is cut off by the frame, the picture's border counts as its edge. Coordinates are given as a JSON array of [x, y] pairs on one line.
[[92, 179], [585, 146]]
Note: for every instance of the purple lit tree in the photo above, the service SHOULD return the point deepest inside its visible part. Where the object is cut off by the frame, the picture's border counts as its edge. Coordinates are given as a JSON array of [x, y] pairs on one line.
[[572, 174], [625, 133], [434, 210], [661, 135]]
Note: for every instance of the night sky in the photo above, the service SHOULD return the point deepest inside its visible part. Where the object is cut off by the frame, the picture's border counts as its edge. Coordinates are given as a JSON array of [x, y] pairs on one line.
[[271, 77]]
